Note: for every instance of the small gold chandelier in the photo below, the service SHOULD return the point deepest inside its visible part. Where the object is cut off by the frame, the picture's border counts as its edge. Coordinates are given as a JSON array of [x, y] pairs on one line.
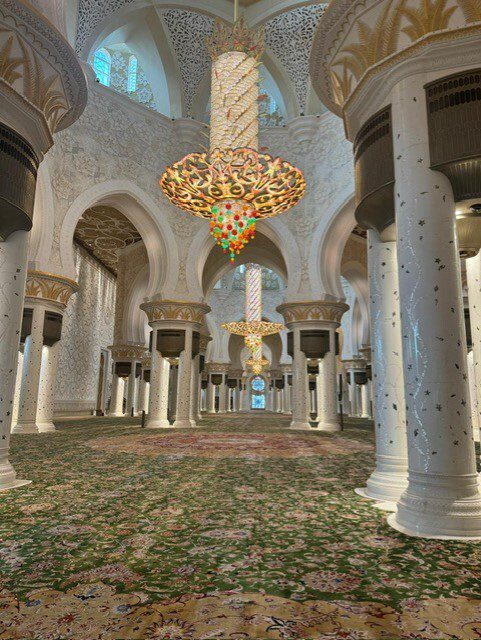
[[233, 185], [254, 328]]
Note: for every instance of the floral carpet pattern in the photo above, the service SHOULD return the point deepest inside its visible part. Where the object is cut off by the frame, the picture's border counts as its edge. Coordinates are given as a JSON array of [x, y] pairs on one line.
[[238, 529]]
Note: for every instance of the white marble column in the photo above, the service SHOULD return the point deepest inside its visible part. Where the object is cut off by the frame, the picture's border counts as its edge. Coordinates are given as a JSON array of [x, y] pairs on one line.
[[18, 386], [46, 392], [237, 398], [210, 396], [473, 273], [365, 401], [352, 394], [117, 396], [32, 363], [328, 415], [473, 395], [286, 392], [194, 413], [131, 389], [159, 388], [443, 495], [184, 382], [222, 396], [13, 274], [389, 479], [300, 390], [142, 404]]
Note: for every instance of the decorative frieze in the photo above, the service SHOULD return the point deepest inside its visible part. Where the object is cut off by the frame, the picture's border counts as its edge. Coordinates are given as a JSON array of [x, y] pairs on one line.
[[48, 286], [217, 367], [172, 310], [315, 311]]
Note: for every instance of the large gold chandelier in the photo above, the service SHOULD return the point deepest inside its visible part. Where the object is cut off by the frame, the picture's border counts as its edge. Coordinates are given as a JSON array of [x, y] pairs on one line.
[[254, 328], [233, 185]]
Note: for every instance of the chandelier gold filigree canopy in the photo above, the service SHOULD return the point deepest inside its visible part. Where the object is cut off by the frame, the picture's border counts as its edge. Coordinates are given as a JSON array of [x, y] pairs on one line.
[[233, 185]]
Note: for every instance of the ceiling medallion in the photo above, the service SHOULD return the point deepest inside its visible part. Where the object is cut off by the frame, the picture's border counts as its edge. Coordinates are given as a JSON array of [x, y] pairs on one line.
[[233, 185]]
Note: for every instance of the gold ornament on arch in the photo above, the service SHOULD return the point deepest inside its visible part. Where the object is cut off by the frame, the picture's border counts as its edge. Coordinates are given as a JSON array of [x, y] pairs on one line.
[[381, 41]]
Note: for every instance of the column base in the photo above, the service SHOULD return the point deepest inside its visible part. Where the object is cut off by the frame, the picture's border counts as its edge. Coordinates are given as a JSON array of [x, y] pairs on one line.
[[384, 486], [328, 426], [383, 505], [429, 514], [116, 415], [13, 484], [157, 424], [300, 426], [365, 415], [46, 427], [183, 424], [25, 427]]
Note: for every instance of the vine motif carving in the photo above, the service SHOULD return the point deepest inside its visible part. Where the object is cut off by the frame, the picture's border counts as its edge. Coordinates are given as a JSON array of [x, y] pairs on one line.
[[128, 351], [312, 311], [168, 310], [397, 28], [51, 287]]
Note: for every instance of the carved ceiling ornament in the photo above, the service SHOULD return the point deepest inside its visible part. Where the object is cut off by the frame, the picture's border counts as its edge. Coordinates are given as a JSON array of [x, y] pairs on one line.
[[316, 311], [48, 286], [354, 42], [172, 310], [38, 67], [188, 33], [103, 231], [128, 352]]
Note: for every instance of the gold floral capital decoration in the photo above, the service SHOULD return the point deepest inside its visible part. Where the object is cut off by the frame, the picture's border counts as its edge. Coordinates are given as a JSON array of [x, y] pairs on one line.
[[50, 287], [316, 311], [128, 352], [146, 362], [260, 328], [175, 310]]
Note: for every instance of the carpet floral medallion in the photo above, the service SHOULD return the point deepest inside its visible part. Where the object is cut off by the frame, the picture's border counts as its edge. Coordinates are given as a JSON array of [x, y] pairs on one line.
[[237, 529]]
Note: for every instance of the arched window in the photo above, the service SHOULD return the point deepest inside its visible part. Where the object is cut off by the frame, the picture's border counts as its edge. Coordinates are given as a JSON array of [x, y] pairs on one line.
[[132, 74], [102, 66]]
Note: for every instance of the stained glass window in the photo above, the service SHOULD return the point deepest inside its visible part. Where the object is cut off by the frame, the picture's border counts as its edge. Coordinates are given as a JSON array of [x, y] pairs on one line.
[[132, 74], [258, 384], [258, 402], [102, 65]]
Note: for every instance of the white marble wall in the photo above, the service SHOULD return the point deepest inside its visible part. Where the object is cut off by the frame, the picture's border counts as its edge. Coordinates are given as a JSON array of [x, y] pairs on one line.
[[88, 327]]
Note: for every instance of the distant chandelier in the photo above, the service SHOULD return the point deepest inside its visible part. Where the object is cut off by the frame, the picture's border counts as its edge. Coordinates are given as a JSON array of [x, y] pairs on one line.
[[233, 185], [254, 328]]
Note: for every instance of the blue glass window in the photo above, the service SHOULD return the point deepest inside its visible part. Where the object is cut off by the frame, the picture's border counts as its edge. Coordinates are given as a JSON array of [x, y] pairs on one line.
[[102, 65], [258, 401], [258, 383], [132, 74]]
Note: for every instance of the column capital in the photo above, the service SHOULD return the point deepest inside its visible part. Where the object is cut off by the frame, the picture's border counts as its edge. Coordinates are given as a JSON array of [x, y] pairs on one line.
[[286, 368], [51, 288], [354, 364], [217, 367], [314, 311], [235, 373], [146, 362], [365, 352], [172, 311], [128, 352], [204, 341]]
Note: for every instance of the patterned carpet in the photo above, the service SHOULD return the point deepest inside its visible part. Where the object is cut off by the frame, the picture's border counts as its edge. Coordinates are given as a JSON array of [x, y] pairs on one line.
[[238, 529]]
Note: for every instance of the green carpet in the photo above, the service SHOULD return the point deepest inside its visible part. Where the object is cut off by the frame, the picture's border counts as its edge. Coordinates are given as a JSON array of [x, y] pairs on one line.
[[238, 529]]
